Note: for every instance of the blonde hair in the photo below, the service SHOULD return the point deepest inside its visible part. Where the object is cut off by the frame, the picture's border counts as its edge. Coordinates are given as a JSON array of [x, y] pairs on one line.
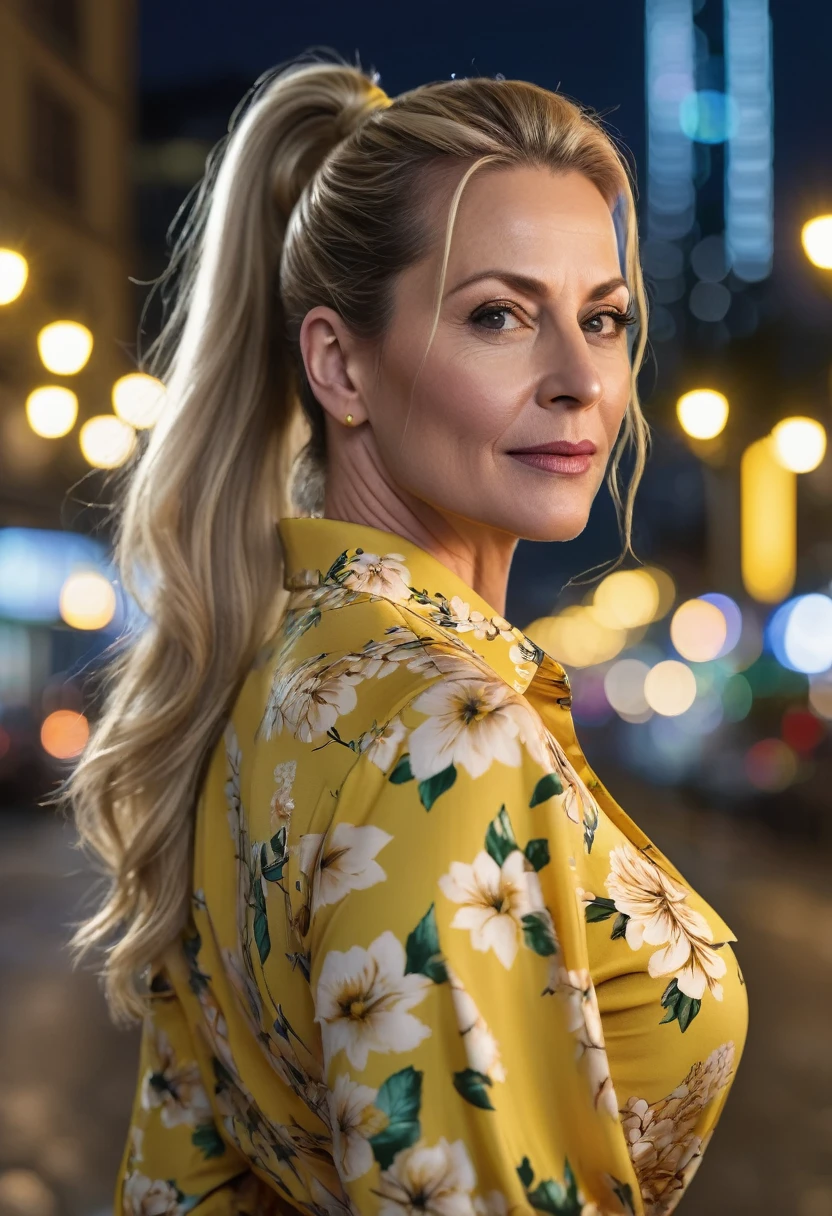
[[321, 193]]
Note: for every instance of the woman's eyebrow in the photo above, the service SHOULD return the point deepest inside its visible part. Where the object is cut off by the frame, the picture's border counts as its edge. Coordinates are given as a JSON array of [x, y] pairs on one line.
[[532, 286]]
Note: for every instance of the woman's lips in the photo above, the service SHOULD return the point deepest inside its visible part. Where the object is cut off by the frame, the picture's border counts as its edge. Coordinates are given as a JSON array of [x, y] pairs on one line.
[[555, 462]]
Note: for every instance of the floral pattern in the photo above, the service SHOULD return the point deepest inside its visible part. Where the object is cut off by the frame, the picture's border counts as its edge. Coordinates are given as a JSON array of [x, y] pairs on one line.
[[396, 968]]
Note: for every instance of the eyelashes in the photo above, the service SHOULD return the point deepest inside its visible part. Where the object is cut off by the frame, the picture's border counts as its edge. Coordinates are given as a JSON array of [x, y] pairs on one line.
[[620, 319]]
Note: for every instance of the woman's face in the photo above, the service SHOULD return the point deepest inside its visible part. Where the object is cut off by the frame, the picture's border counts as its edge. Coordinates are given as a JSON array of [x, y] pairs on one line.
[[527, 352]]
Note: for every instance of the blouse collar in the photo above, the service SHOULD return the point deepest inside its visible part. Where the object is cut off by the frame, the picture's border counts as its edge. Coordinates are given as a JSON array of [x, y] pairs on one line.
[[319, 551]]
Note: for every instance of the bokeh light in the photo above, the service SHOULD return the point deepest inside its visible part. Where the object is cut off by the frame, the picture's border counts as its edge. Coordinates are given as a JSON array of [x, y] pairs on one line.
[[138, 399], [64, 734], [702, 413], [750, 646], [802, 729], [576, 638], [708, 116], [670, 688], [733, 619], [807, 636], [799, 444], [624, 688], [590, 706], [626, 599], [737, 698], [768, 524], [87, 600], [64, 347], [14, 271], [816, 236], [771, 765], [698, 630], [820, 694], [666, 589], [106, 441], [51, 410]]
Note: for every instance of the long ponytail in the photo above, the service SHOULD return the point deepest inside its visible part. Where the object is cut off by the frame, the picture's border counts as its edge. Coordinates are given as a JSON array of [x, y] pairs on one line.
[[195, 540]]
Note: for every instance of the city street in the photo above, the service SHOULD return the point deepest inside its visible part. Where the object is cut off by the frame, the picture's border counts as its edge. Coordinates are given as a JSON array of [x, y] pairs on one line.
[[67, 1076]]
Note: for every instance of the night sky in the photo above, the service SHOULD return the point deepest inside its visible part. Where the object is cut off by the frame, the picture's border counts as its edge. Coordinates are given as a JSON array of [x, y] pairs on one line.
[[593, 52]]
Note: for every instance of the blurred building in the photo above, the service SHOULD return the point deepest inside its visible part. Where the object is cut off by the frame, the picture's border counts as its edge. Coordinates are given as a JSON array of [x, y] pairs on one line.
[[67, 87]]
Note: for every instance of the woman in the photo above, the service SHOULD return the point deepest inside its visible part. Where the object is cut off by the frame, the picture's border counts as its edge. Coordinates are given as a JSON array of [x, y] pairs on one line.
[[395, 947]]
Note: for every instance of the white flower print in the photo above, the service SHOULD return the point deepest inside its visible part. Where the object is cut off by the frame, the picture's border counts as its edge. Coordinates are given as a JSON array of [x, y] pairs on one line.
[[660, 916], [466, 619], [429, 1180], [282, 803], [524, 667], [175, 1086], [387, 576], [472, 721], [354, 1119], [481, 1048], [663, 1140], [576, 990], [309, 699], [144, 1197], [362, 1001], [494, 901], [136, 1141], [492, 1204], [380, 747], [341, 861]]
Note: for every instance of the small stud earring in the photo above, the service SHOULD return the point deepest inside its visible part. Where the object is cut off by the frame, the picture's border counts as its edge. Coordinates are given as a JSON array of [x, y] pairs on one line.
[[348, 419]]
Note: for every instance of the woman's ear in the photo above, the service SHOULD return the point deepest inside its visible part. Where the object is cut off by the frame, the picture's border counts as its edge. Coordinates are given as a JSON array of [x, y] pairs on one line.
[[329, 353]]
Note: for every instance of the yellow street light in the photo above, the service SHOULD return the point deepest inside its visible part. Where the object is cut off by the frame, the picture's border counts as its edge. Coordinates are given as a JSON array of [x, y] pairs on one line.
[[106, 441], [768, 529], [51, 410], [87, 600], [816, 236], [702, 413], [14, 271], [138, 399], [799, 444], [64, 347]]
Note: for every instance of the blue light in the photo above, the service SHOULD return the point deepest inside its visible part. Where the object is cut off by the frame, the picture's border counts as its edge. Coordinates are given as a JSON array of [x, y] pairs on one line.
[[35, 564], [733, 619], [708, 117]]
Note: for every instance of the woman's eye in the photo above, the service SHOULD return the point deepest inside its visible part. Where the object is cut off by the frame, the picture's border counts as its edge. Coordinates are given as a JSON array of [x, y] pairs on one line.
[[486, 316], [617, 322]]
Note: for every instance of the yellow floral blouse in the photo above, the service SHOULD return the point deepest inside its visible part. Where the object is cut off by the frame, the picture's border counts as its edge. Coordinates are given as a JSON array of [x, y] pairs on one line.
[[431, 966]]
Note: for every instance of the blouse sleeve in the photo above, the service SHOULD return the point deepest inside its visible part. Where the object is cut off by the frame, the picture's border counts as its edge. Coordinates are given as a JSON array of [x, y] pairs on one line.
[[175, 1159], [462, 1045]]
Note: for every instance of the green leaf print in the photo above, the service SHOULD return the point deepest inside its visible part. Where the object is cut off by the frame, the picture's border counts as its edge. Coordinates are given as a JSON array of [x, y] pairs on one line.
[[208, 1140], [424, 956], [590, 825], [537, 852], [499, 838], [272, 871], [470, 1085], [599, 909], [558, 1198], [624, 1193], [620, 926], [525, 1173], [539, 934], [261, 923], [400, 1098], [546, 788], [402, 771], [432, 787], [680, 1008]]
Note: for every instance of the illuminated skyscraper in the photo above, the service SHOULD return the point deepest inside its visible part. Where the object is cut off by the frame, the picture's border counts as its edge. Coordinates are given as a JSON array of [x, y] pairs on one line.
[[709, 200]]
